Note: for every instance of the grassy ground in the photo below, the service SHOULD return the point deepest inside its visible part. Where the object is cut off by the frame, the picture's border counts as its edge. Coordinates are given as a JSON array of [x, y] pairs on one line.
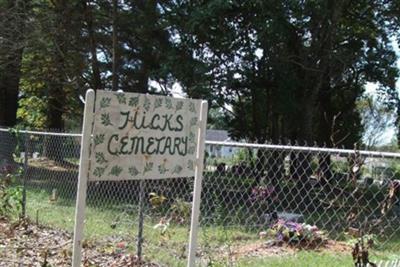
[[108, 225], [302, 259]]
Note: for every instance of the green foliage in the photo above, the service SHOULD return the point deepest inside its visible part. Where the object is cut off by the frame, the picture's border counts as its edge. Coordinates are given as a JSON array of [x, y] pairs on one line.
[[243, 155], [268, 70], [51, 66], [296, 73], [180, 211], [35, 118], [10, 197], [222, 199], [217, 119], [20, 141], [341, 166], [395, 169], [156, 200], [368, 238]]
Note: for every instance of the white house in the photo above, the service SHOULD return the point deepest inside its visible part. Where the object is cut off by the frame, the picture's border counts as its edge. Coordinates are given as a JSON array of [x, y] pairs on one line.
[[219, 151]]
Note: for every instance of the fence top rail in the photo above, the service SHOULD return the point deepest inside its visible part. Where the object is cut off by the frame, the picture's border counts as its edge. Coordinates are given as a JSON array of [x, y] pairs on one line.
[[341, 152], [43, 133]]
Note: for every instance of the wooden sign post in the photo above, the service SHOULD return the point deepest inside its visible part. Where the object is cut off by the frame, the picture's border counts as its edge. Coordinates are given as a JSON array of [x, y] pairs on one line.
[[130, 136]]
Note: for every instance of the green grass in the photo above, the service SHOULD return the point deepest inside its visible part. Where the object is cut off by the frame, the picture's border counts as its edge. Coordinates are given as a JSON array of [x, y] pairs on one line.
[[313, 259], [302, 259], [120, 221]]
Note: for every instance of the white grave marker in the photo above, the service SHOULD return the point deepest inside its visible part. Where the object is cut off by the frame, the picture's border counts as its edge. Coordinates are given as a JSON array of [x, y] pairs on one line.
[[137, 136]]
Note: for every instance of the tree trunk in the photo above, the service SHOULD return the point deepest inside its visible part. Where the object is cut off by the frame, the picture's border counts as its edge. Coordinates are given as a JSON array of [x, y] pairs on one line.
[[9, 89], [302, 165], [115, 77], [13, 31], [96, 79], [300, 162], [57, 97], [11, 50], [144, 73], [56, 104]]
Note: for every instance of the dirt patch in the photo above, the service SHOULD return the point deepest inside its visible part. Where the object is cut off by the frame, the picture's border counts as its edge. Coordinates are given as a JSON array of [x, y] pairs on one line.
[[26, 244], [337, 247], [264, 249], [52, 165], [260, 249]]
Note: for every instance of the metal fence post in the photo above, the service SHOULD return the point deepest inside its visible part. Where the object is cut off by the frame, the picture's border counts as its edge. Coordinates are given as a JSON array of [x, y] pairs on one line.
[[26, 139], [141, 219]]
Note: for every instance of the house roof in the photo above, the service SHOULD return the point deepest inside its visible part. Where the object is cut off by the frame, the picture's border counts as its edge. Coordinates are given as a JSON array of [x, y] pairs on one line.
[[217, 135]]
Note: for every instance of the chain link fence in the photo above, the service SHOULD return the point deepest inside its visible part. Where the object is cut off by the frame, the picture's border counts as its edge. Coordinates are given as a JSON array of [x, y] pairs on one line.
[[248, 189]]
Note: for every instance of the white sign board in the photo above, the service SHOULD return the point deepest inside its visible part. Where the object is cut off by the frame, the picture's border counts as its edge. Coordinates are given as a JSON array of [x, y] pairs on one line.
[[139, 136], [129, 136]]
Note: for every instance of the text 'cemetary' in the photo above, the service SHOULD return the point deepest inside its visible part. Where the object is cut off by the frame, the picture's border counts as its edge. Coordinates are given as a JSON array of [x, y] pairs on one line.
[[138, 136]]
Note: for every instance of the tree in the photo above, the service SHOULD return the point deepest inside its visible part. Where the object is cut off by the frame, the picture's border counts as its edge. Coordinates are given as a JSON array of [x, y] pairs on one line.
[[290, 70], [216, 119], [279, 71], [52, 69]]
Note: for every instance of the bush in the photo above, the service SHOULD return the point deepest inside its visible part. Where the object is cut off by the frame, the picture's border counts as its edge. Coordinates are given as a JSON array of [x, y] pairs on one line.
[[10, 197], [180, 211]]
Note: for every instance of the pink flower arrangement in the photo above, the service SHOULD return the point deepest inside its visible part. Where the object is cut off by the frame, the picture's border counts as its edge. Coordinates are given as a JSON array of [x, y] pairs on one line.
[[294, 233]]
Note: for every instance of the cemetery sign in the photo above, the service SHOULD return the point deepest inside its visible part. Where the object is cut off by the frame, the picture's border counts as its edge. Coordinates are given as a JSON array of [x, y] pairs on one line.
[[138, 136], [130, 136]]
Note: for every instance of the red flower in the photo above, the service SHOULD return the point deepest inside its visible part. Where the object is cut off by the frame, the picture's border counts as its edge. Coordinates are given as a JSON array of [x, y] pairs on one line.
[[121, 245]]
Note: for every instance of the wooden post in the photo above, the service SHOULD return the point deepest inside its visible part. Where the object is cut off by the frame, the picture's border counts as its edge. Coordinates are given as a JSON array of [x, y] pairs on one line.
[[83, 177], [198, 176]]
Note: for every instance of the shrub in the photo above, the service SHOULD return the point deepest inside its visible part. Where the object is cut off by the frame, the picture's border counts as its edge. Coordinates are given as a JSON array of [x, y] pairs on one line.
[[180, 211], [10, 197], [262, 193], [263, 198]]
